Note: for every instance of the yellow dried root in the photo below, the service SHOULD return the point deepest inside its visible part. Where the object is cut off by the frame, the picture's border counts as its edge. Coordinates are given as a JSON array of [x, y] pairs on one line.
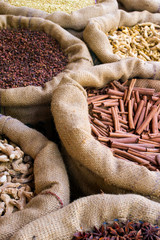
[[16, 178], [141, 40], [51, 6]]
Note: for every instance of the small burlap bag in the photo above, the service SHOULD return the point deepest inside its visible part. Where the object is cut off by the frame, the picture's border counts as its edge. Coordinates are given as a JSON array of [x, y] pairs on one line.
[[35, 101], [92, 165], [136, 5], [77, 20], [85, 213], [50, 177], [95, 32]]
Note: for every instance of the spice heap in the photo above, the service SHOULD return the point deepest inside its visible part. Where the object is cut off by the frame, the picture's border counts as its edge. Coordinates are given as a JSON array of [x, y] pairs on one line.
[[16, 178], [121, 231], [127, 119], [29, 58], [141, 40], [51, 6]]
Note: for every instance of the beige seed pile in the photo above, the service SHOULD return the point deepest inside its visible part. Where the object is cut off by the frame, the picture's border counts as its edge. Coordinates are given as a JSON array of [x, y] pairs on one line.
[[141, 40], [16, 178], [51, 6]]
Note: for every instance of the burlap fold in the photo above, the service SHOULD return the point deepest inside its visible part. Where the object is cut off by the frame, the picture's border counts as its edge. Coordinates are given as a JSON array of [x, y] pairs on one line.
[[92, 165], [34, 99], [136, 5], [85, 213], [51, 180], [77, 20], [95, 32]]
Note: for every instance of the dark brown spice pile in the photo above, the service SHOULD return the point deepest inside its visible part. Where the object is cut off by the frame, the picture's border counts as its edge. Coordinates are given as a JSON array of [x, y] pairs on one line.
[[121, 231], [127, 119], [29, 58]]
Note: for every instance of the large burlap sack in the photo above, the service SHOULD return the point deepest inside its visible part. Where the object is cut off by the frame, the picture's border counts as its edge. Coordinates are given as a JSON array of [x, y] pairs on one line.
[[35, 101], [77, 20], [50, 177], [95, 32], [92, 165], [136, 5], [85, 213]]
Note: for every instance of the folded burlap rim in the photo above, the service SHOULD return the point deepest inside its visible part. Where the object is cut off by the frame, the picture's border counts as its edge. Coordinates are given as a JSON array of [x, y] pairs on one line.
[[85, 213], [77, 20], [136, 5]]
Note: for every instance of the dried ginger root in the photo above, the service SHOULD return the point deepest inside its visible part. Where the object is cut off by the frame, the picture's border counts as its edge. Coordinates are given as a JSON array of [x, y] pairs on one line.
[[141, 41], [16, 178]]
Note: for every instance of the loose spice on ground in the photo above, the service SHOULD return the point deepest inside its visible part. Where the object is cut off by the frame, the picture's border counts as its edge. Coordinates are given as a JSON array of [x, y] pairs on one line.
[[127, 119], [29, 58], [51, 6], [16, 178], [141, 40], [128, 230]]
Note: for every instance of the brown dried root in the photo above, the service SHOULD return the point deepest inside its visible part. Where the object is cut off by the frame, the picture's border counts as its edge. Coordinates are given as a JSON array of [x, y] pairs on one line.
[[9, 207], [141, 40], [16, 172], [2, 207]]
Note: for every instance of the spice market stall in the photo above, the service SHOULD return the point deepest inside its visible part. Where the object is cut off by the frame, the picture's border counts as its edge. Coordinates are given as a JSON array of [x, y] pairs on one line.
[[107, 118], [33, 179]]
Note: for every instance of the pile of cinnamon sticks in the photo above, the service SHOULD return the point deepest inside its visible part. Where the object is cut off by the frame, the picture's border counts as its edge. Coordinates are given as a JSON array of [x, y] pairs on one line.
[[127, 119]]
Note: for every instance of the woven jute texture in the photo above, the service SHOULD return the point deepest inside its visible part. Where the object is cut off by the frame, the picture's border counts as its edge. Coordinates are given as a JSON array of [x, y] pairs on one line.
[[136, 5], [85, 213], [31, 98], [77, 20], [95, 32], [50, 177], [91, 165]]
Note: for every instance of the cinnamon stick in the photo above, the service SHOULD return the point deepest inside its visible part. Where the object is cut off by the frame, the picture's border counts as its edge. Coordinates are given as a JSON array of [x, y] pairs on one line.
[[115, 92], [131, 157], [130, 115], [155, 124], [122, 135], [138, 112], [147, 120], [95, 131], [137, 96], [121, 104], [142, 155], [115, 119], [119, 85], [141, 118], [131, 86]]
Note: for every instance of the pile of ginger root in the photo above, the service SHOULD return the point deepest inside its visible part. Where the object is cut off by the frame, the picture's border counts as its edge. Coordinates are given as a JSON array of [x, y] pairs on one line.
[[16, 178]]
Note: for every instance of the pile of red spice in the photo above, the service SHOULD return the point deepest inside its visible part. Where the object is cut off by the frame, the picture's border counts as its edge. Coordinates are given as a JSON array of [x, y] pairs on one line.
[[127, 119], [121, 231], [29, 58]]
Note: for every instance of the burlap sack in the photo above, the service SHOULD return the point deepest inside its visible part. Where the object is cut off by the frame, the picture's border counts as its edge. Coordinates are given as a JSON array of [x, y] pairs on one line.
[[91, 165], [136, 5], [77, 20], [95, 32], [33, 100], [51, 180], [85, 213]]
